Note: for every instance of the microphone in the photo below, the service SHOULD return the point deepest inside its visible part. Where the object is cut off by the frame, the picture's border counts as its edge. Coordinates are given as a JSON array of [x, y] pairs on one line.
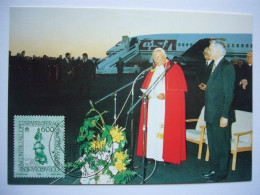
[[146, 70], [175, 59]]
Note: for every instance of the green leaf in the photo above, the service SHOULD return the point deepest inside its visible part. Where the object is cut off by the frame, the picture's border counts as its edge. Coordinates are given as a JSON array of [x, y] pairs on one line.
[[81, 148], [105, 134], [104, 112], [86, 123], [122, 144], [91, 104], [81, 138], [124, 177], [91, 135], [108, 127], [109, 140]]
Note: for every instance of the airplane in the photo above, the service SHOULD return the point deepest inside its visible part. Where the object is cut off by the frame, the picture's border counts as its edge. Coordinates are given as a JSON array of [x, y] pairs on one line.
[[136, 51]]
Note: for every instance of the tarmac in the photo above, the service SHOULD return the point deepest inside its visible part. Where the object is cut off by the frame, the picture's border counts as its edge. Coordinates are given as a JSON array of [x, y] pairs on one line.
[[46, 99]]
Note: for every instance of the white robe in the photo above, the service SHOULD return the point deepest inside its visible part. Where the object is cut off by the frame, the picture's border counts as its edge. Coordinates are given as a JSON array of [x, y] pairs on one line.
[[155, 118]]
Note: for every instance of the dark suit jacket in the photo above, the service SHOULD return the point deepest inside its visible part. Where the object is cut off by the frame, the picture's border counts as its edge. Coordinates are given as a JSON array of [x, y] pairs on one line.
[[65, 68], [85, 70], [204, 73], [220, 93]]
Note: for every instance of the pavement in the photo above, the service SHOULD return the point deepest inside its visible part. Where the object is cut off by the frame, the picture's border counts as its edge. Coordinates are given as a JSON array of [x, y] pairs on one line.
[[46, 99]]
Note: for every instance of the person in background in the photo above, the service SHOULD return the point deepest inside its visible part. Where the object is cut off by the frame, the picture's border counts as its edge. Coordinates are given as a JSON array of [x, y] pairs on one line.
[[66, 72], [243, 84], [120, 67], [85, 76], [205, 70]]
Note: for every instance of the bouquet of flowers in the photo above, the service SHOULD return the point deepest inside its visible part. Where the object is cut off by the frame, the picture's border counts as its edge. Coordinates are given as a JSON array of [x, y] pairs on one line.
[[103, 159]]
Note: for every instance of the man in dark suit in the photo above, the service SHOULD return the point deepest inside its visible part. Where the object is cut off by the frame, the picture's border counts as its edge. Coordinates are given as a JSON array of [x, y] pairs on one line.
[[66, 74], [203, 77], [120, 67], [218, 112], [205, 70], [243, 84], [85, 70]]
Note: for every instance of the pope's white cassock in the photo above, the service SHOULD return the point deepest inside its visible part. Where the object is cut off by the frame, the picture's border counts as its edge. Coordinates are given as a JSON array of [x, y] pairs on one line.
[[155, 118]]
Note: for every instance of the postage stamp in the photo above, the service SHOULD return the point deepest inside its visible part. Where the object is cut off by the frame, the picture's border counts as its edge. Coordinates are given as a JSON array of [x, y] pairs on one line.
[[39, 146]]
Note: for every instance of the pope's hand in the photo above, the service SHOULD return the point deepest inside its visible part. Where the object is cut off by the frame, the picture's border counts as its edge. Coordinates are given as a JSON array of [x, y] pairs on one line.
[[223, 122], [161, 96]]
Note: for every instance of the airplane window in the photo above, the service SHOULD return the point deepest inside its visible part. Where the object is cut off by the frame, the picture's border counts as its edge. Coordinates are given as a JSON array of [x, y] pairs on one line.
[[182, 44], [233, 45], [251, 45], [187, 44], [179, 44], [118, 44], [190, 44], [237, 45], [246, 45], [228, 45], [242, 45]]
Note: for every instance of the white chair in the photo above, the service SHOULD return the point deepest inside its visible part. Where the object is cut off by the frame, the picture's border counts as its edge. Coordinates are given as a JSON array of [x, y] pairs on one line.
[[242, 135], [199, 134]]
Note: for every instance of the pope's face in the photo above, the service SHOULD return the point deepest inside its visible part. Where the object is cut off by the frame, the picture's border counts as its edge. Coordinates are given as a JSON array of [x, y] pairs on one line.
[[159, 58]]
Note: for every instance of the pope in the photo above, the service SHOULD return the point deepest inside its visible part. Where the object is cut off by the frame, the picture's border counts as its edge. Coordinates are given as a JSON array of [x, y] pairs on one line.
[[165, 124]]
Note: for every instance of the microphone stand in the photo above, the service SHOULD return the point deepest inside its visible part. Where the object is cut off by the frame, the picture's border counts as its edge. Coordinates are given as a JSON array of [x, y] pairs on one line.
[[141, 75], [144, 97], [115, 96]]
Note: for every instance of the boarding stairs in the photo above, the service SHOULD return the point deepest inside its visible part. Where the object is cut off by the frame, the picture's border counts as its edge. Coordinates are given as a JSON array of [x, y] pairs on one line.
[[125, 54]]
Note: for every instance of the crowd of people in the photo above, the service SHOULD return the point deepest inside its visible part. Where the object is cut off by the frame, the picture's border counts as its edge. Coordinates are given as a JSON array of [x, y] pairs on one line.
[[26, 70]]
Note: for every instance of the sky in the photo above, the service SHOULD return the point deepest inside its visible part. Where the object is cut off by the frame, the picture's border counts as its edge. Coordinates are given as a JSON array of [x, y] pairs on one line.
[[55, 31]]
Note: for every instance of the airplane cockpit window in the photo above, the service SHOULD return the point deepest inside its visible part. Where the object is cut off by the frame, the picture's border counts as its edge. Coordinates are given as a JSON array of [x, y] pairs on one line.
[[119, 43]]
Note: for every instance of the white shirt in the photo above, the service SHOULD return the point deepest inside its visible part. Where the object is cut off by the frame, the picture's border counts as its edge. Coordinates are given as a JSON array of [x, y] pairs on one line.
[[218, 60], [208, 62]]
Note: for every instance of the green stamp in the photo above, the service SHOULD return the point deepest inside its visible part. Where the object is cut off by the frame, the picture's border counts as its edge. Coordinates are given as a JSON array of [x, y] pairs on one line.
[[39, 146]]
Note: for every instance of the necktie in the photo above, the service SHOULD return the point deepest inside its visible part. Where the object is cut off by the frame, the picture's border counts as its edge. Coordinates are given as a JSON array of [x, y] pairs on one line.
[[213, 67]]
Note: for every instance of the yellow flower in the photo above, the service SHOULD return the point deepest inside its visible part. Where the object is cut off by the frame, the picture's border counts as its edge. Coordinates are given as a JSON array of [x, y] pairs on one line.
[[120, 166], [152, 70], [97, 144], [117, 134], [120, 156]]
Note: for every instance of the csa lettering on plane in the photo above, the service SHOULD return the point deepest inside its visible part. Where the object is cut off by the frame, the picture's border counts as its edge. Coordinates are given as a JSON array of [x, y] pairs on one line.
[[167, 45]]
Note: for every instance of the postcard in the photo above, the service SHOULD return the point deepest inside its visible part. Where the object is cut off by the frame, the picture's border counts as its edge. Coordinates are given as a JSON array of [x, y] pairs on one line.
[[125, 96]]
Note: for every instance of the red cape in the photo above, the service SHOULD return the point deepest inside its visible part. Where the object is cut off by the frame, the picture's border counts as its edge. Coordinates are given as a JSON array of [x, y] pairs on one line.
[[174, 143]]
